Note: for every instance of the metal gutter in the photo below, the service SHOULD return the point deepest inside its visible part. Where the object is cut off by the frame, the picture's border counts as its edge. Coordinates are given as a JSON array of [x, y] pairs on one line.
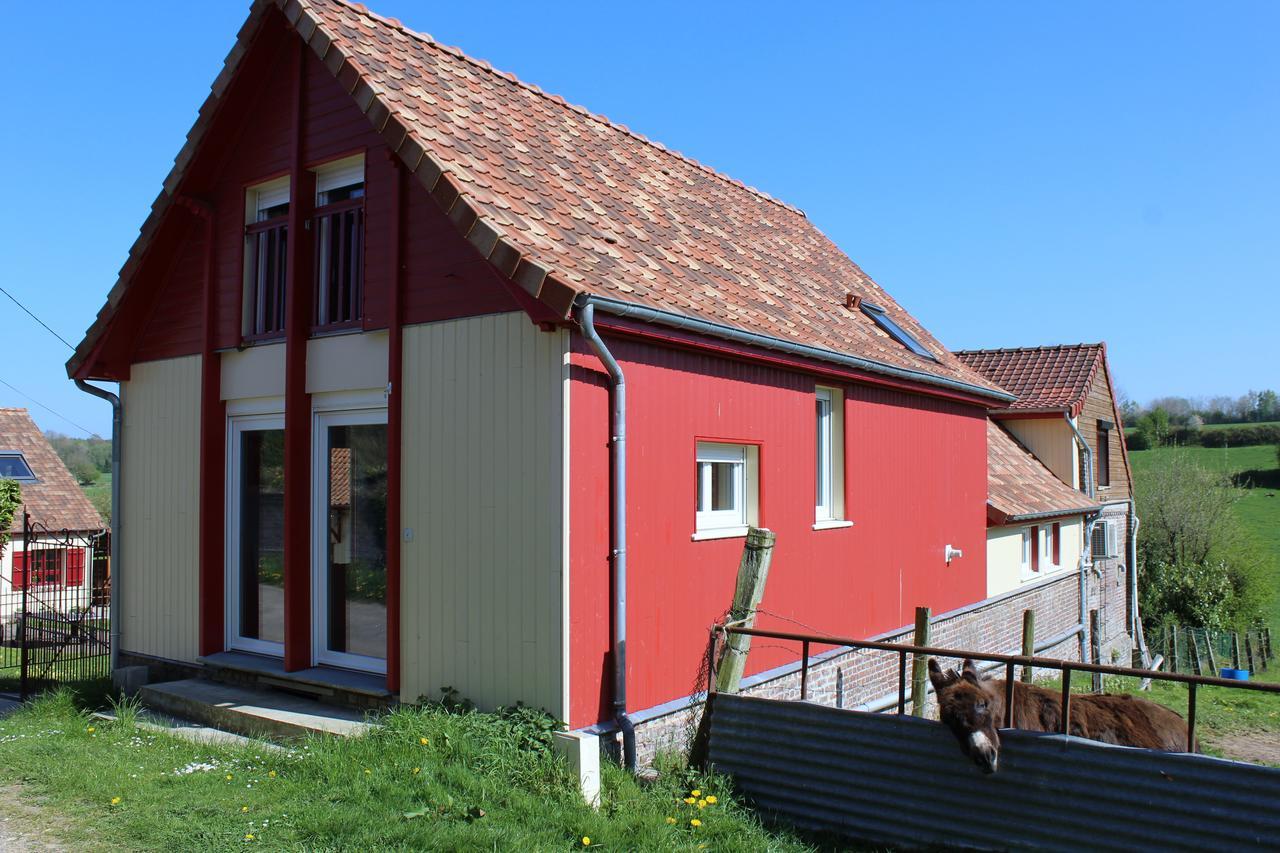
[[1051, 513], [117, 424], [677, 321], [618, 512]]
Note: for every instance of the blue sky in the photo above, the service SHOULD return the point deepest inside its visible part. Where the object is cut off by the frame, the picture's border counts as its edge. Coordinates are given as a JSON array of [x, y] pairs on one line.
[[1014, 173]]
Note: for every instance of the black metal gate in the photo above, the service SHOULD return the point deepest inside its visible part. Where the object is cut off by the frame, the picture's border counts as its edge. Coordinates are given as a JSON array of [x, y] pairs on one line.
[[55, 597]]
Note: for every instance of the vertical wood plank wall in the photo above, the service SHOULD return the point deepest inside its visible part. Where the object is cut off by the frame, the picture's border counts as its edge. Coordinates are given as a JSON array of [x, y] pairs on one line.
[[482, 603], [160, 490], [1052, 442]]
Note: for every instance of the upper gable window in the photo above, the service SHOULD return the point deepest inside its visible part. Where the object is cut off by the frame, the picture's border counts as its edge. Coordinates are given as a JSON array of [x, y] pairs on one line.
[[266, 252], [899, 334], [339, 235], [13, 466], [1103, 466]]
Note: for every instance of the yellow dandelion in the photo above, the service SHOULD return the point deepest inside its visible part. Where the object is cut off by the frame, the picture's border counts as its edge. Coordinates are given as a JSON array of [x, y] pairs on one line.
[[671, 821], [695, 823], [115, 801], [695, 793], [702, 804], [271, 774], [424, 741], [711, 799], [91, 730], [248, 836], [417, 770], [243, 809], [368, 772], [228, 777], [689, 800], [586, 841]]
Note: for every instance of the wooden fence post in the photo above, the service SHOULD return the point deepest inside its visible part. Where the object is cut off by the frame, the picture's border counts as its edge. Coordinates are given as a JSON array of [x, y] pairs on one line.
[[753, 571], [1249, 654], [1095, 648], [919, 663], [1028, 642], [1174, 631], [1213, 658], [1235, 650], [1267, 651]]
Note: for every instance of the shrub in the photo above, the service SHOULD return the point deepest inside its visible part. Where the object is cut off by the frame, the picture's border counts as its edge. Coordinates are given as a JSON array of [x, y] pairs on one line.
[[1137, 440], [1241, 436], [1197, 562], [10, 500]]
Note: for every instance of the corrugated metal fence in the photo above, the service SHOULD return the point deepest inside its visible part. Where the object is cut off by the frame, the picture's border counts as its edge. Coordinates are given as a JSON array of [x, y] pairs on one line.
[[903, 781]]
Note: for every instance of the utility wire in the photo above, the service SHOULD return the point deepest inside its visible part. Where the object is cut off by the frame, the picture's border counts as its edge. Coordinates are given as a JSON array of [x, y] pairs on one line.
[[38, 320], [87, 432]]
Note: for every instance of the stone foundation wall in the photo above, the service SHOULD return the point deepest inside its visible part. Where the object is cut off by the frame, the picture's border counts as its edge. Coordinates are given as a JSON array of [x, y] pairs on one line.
[[854, 678]]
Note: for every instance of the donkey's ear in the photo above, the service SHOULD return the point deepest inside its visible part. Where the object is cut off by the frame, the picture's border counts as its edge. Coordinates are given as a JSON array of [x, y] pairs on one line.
[[970, 672], [939, 678]]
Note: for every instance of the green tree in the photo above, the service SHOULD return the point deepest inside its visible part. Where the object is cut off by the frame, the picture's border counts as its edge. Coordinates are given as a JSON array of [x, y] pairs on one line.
[[1154, 426], [10, 500]]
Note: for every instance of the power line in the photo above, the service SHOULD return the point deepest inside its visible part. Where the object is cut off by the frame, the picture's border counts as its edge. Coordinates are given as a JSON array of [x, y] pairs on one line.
[[87, 432], [38, 320]]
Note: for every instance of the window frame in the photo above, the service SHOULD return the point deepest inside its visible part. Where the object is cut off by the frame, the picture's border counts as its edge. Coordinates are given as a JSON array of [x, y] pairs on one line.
[[721, 524], [1102, 462], [1025, 553], [829, 456], [30, 476], [890, 327], [331, 175], [279, 191]]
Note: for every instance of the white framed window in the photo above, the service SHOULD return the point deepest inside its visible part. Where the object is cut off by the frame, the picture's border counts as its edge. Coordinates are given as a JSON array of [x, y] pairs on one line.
[[1026, 551], [266, 243], [338, 226], [727, 489], [255, 533], [1046, 547], [829, 458]]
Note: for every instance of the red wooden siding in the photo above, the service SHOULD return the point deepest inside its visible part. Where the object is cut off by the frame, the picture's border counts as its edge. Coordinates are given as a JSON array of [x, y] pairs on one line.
[[915, 480], [249, 143]]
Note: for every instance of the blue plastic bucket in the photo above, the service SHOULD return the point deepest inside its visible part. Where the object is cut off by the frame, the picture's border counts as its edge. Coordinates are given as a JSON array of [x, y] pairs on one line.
[[1237, 674]]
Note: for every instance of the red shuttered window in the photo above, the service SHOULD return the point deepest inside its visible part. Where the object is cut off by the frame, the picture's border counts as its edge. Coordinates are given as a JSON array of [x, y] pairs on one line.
[[1035, 549], [19, 580], [75, 567]]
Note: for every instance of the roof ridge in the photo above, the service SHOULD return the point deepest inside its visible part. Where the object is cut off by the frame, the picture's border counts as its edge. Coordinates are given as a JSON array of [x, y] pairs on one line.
[[428, 39], [1031, 348]]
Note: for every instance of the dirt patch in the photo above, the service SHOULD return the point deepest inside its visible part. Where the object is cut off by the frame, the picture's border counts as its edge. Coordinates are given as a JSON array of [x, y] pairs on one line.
[[1261, 747], [24, 826]]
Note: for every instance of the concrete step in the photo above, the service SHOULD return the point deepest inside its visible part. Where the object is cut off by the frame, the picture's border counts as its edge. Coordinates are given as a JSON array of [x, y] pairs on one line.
[[189, 730], [254, 713]]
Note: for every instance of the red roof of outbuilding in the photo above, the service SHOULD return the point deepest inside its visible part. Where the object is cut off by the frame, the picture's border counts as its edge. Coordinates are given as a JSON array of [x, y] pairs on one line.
[[1019, 486], [1042, 378], [569, 203], [54, 499]]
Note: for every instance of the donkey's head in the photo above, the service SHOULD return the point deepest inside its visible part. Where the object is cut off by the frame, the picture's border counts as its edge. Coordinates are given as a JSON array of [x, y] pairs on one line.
[[969, 705]]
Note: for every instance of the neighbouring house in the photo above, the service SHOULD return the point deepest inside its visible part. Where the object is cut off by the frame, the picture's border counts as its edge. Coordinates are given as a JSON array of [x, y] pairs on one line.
[[1066, 416], [53, 567], [372, 345]]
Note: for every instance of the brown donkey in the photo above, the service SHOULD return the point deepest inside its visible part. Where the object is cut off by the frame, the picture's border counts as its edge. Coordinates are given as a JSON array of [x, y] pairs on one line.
[[972, 706]]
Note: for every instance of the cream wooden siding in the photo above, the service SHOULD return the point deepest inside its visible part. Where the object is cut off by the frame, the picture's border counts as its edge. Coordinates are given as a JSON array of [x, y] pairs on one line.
[[160, 490], [1004, 554], [483, 603], [1051, 441]]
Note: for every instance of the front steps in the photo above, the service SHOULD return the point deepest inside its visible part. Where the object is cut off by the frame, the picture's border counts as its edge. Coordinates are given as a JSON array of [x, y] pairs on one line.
[[249, 711]]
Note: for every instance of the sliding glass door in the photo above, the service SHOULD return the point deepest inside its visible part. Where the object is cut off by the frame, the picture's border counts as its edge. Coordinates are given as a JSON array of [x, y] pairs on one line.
[[349, 547], [255, 542]]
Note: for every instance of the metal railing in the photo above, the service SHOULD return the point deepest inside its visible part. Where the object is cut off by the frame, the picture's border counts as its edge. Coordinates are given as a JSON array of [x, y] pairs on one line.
[[1010, 662]]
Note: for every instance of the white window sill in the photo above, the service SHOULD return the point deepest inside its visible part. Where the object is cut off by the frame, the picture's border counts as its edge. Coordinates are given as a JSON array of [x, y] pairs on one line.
[[720, 533], [832, 524]]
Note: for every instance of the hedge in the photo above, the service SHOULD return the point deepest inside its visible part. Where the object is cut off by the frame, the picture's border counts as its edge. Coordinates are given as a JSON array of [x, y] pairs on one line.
[[1239, 436]]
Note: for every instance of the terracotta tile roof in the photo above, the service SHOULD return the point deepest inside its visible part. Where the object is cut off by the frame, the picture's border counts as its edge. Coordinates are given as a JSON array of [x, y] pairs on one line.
[[1019, 485], [54, 499], [1053, 377], [569, 203]]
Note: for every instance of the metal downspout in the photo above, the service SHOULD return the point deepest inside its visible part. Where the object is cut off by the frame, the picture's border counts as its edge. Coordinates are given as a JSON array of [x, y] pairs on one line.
[[618, 545], [1086, 556], [117, 423]]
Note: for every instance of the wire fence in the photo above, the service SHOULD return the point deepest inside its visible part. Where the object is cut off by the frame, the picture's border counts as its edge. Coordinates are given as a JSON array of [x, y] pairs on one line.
[[1208, 651]]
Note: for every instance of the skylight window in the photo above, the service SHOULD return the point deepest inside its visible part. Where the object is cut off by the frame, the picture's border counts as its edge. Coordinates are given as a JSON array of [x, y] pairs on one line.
[[13, 466], [899, 334]]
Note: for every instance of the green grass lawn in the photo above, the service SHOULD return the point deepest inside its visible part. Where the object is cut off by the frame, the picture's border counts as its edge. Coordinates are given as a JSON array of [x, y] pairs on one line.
[[1238, 426], [1259, 508], [427, 779]]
